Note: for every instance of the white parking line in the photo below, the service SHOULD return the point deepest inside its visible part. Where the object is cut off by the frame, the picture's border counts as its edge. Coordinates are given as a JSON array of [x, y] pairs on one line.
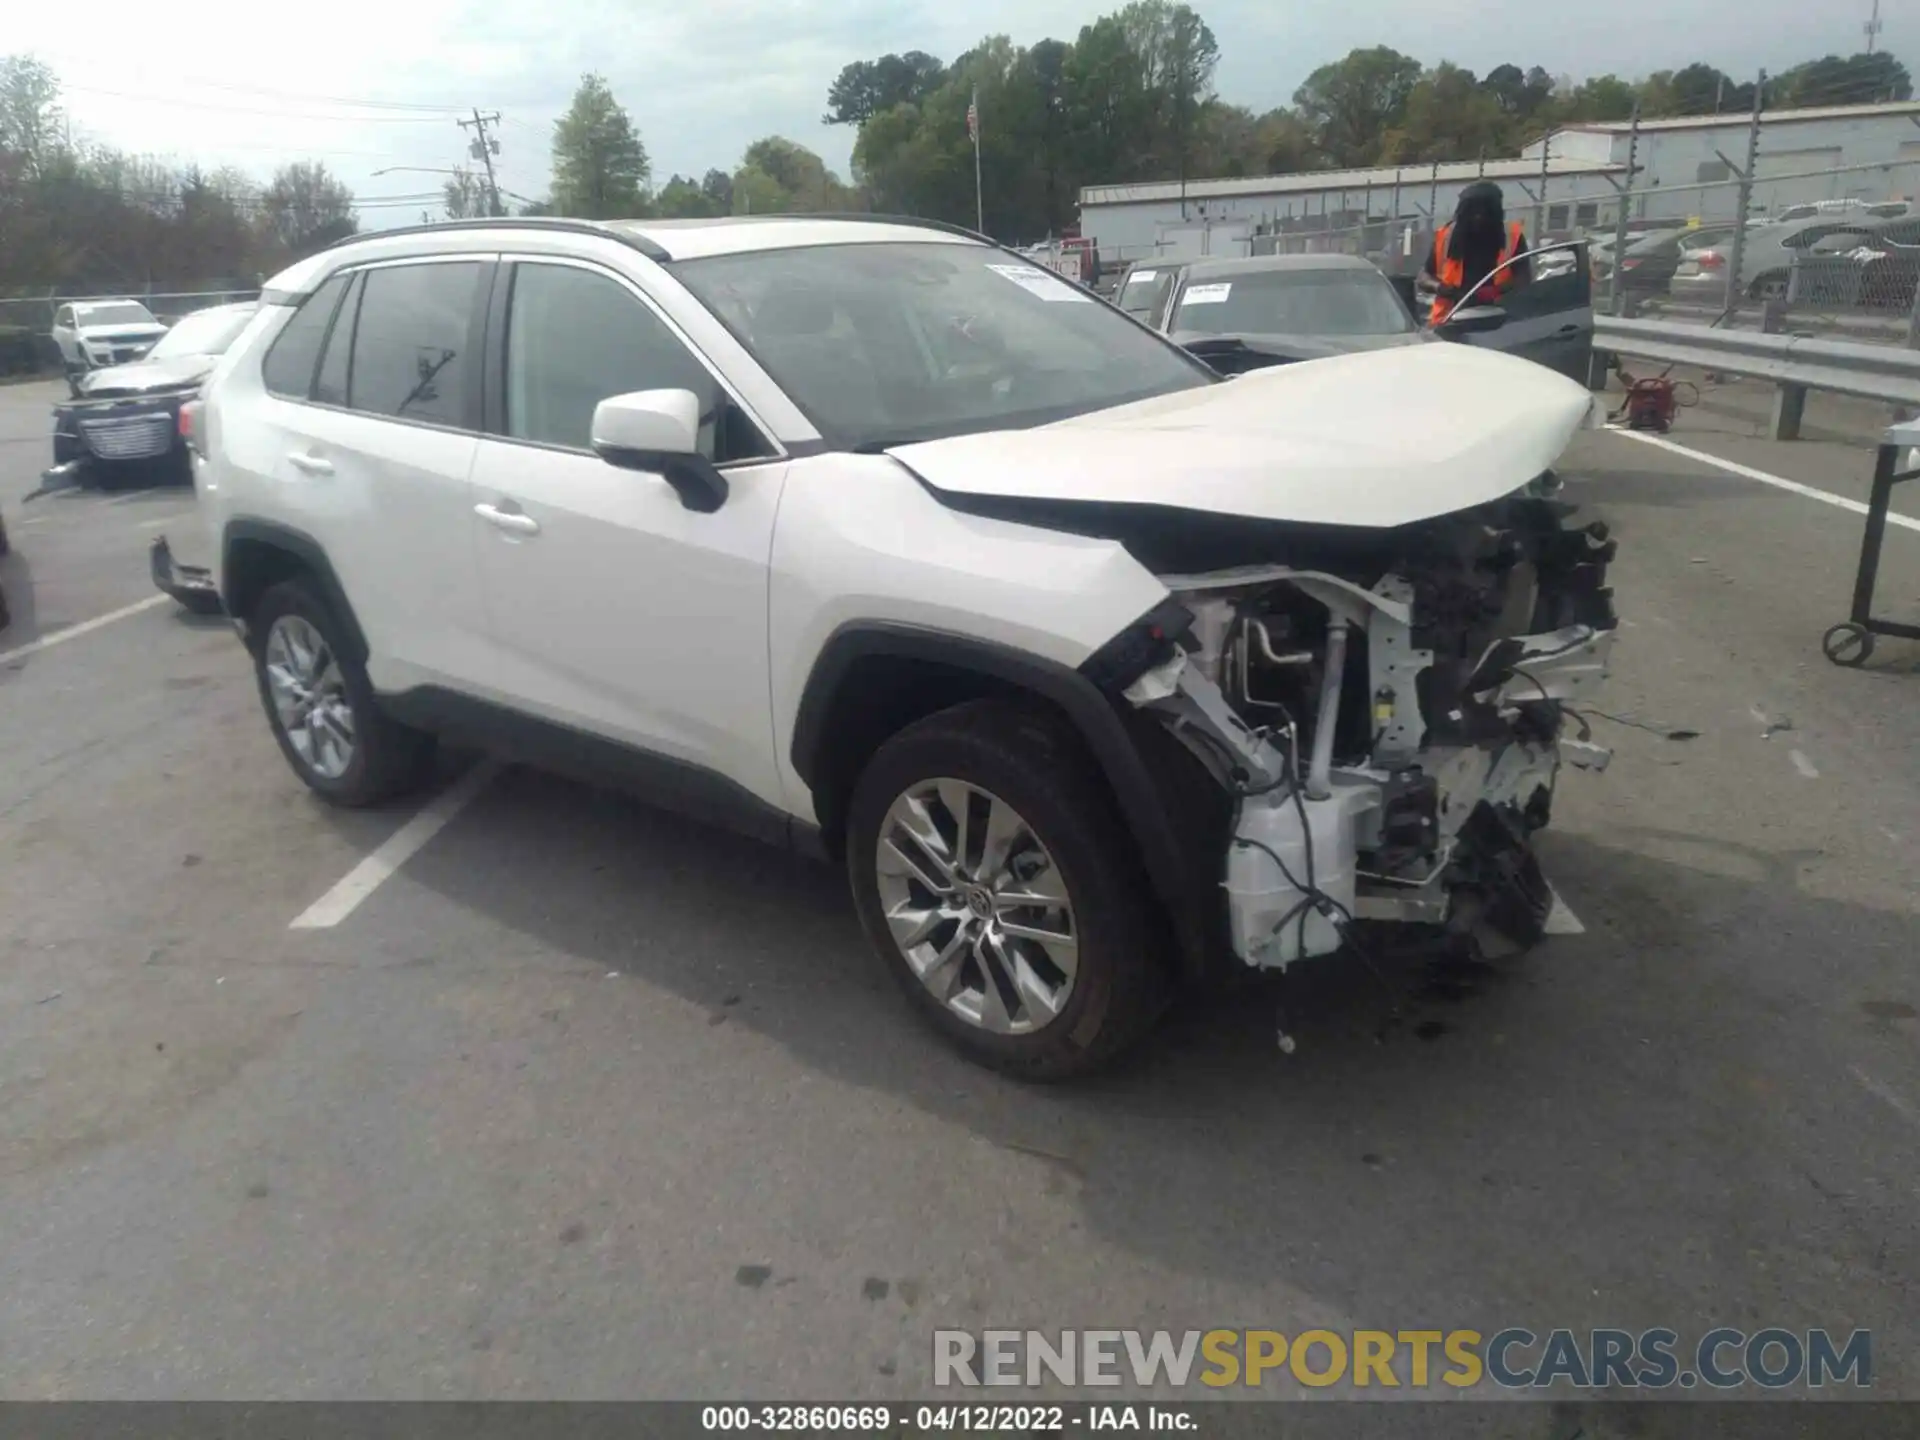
[[85, 627], [133, 495], [401, 846], [1792, 487], [1562, 921]]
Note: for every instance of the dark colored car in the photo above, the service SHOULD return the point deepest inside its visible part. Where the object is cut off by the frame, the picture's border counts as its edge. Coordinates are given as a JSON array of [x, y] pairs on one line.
[[126, 414], [1651, 259], [1239, 315]]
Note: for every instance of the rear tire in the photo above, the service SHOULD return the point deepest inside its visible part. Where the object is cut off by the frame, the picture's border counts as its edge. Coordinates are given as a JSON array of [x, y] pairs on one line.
[[1059, 1007], [321, 705]]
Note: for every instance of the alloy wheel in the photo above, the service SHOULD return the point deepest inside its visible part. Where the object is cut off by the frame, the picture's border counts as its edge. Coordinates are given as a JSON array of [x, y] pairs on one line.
[[310, 696], [976, 906]]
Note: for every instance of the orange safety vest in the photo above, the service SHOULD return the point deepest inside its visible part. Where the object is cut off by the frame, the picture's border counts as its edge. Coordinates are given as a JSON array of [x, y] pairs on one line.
[[1452, 273]]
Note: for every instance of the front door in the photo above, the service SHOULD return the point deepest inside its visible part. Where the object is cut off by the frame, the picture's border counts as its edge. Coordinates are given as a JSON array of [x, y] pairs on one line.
[[1549, 320], [614, 608]]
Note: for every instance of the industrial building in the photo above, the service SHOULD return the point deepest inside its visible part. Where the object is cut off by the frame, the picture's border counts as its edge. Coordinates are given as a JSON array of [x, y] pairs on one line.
[[1565, 185], [1683, 165]]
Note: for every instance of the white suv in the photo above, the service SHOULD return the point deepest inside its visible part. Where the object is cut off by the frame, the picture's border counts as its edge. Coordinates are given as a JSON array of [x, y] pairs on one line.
[[1097, 671]]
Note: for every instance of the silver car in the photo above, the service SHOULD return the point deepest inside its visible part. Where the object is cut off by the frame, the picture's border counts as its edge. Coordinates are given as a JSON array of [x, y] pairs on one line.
[[1766, 262]]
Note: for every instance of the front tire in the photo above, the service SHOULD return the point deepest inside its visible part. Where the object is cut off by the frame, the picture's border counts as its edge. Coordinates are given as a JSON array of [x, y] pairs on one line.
[[321, 706], [992, 873]]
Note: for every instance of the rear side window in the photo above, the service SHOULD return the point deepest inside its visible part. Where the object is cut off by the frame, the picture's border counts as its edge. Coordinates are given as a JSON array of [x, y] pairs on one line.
[[289, 364], [410, 343]]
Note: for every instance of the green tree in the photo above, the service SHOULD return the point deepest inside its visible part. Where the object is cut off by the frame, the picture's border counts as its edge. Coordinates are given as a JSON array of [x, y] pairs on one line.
[[306, 209], [1862, 80], [1448, 116], [466, 195], [600, 166], [682, 199], [866, 87], [1350, 104], [30, 117], [717, 186]]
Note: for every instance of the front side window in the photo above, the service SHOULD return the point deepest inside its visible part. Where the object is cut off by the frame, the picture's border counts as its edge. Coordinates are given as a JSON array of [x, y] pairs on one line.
[[64, 320], [576, 337], [288, 369], [410, 356], [887, 342], [1142, 293], [1291, 302]]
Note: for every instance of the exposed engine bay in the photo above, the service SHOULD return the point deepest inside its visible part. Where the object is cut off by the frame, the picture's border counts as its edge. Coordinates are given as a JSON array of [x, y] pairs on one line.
[[1389, 720]]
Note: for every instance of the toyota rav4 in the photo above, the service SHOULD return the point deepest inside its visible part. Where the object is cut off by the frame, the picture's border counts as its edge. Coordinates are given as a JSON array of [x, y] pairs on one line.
[[1096, 671]]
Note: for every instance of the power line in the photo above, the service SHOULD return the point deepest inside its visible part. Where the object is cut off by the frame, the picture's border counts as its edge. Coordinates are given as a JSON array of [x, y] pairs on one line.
[[176, 100], [483, 149]]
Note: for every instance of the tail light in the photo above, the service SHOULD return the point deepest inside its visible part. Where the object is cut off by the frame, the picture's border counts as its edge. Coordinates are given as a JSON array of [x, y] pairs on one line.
[[190, 425], [1710, 259], [1628, 264]]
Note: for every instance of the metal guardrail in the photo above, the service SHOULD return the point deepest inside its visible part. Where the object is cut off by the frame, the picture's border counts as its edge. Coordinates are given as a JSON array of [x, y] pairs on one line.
[[1794, 363]]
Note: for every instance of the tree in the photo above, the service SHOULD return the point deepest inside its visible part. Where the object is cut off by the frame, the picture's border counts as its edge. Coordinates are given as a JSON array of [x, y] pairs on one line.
[[1862, 80], [1351, 103], [600, 166], [681, 199], [306, 209], [29, 112], [866, 87], [717, 186], [1519, 93], [1604, 97], [1448, 116], [778, 175], [466, 196]]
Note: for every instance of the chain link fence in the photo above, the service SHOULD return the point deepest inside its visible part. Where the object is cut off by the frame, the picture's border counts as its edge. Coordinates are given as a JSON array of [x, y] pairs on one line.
[[1846, 264], [26, 321]]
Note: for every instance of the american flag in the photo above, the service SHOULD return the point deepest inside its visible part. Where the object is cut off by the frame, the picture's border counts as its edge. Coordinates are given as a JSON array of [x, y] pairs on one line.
[[973, 117]]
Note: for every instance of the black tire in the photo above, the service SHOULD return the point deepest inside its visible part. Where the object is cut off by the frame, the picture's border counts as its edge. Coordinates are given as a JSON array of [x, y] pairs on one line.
[[388, 758], [1035, 763], [1771, 286]]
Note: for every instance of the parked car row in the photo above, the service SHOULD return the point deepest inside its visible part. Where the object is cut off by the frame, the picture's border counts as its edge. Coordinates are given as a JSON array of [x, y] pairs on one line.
[[1850, 258]]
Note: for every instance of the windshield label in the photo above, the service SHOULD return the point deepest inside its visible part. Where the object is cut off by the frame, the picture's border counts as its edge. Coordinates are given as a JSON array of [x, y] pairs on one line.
[[1143, 275], [1206, 294], [1044, 283]]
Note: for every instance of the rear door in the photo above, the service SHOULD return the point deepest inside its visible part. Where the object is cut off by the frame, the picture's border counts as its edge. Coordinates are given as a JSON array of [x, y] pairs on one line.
[[1549, 321], [372, 448], [64, 337]]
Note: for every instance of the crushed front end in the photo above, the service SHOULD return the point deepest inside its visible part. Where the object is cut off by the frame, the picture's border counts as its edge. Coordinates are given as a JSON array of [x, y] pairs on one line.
[[1386, 711]]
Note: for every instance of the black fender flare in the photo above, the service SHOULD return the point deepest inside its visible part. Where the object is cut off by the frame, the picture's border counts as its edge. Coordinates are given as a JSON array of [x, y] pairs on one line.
[[312, 557], [1090, 711]]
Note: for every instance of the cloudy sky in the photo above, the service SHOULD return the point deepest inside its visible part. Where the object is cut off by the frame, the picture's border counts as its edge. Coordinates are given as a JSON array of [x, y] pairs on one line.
[[221, 83]]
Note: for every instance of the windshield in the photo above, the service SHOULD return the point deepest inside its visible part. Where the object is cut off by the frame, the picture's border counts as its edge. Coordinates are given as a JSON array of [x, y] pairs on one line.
[[1143, 291], [125, 313], [1293, 302], [883, 343], [208, 333]]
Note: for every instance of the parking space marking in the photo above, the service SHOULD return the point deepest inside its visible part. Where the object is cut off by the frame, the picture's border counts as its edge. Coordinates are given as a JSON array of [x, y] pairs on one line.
[[398, 848], [1562, 921], [155, 524], [85, 627], [133, 495], [1885, 1093], [1803, 764], [1792, 487]]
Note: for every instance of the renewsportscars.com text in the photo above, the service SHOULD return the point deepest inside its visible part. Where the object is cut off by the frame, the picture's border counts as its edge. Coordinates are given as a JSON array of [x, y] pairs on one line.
[[1510, 1359]]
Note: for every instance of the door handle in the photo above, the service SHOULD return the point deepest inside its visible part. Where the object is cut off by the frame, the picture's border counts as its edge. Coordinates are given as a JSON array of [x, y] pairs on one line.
[[512, 521], [310, 464], [1568, 330]]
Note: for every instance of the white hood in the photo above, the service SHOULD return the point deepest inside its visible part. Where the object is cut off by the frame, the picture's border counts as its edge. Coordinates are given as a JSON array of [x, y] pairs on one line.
[[1377, 439]]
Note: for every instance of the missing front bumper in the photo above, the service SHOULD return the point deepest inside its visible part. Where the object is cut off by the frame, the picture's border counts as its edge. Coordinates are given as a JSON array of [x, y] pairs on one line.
[[192, 586]]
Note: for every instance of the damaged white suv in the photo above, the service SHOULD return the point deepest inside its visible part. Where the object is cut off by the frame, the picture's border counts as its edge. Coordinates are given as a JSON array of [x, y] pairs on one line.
[[1097, 671]]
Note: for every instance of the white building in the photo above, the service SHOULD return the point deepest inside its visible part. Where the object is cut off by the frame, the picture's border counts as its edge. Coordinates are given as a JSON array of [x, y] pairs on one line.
[[1870, 152], [1371, 211]]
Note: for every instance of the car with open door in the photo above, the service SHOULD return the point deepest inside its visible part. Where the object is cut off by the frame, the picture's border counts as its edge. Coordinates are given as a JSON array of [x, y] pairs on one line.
[[1547, 319]]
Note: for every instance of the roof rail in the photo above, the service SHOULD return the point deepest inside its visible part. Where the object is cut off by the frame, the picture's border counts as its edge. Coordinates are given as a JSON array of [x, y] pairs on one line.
[[917, 221], [649, 248]]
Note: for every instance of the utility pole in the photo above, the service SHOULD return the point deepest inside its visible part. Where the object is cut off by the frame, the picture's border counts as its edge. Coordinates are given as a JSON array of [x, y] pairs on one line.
[[1616, 291], [1540, 212], [1873, 28], [483, 148], [1744, 199]]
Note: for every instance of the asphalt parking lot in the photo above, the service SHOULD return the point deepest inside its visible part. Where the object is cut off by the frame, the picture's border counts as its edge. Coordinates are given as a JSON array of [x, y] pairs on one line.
[[584, 1102]]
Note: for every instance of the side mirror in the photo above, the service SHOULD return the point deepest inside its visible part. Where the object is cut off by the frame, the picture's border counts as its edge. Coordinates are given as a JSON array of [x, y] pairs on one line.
[[658, 431], [1474, 320]]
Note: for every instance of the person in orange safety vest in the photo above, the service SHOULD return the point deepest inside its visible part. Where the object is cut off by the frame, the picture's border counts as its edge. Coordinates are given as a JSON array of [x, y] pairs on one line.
[[1470, 248]]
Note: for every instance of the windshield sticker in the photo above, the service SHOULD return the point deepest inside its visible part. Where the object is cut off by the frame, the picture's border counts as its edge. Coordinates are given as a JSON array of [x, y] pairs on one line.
[[1044, 283], [1206, 294], [1140, 275]]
